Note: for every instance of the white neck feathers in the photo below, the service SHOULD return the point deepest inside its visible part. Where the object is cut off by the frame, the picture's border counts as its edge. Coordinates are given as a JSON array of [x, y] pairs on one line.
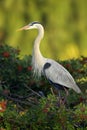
[[37, 58]]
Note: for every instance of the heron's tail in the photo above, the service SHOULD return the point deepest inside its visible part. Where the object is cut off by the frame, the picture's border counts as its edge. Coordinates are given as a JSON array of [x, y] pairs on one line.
[[77, 89]]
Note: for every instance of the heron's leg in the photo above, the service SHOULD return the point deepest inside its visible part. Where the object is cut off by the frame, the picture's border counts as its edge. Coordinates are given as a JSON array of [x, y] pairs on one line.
[[60, 99], [67, 93], [65, 98], [59, 95], [52, 91]]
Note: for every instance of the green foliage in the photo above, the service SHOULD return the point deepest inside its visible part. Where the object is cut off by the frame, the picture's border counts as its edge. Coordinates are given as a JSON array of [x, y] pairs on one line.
[[14, 72], [22, 106], [48, 114]]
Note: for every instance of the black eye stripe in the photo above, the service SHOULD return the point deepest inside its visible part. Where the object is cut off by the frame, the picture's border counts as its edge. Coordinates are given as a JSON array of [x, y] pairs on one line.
[[34, 23]]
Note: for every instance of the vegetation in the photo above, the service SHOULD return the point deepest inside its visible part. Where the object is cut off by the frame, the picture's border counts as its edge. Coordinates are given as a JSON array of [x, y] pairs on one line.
[[65, 25], [27, 103]]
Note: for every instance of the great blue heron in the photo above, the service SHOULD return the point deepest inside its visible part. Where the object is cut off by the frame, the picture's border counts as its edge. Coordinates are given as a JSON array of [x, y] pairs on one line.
[[52, 70]]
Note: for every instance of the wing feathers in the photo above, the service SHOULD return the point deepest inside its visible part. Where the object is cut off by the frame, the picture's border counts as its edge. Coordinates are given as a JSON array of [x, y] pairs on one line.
[[58, 74]]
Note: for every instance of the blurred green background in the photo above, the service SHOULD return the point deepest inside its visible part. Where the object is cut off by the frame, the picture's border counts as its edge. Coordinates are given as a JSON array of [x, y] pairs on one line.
[[65, 23]]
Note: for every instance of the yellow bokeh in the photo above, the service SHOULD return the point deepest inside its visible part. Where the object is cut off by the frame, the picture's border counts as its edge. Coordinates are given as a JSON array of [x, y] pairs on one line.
[[65, 25]]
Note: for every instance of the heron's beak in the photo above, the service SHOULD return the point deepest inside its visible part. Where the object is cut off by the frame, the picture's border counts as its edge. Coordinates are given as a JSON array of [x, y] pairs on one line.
[[23, 28]]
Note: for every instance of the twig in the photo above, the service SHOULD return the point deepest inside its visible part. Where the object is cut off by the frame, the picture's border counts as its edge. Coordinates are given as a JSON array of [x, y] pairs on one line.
[[33, 91], [17, 100]]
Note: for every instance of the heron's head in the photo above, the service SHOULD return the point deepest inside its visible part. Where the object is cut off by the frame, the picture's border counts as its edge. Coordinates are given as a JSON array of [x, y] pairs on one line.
[[33, 25]]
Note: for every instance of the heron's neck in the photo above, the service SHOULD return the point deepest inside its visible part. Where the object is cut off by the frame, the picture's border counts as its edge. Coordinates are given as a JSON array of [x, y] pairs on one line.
[[37, 58], [38, 40]]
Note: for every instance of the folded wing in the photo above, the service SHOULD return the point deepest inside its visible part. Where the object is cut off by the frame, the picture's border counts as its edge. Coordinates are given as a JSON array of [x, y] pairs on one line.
[[59, 75]]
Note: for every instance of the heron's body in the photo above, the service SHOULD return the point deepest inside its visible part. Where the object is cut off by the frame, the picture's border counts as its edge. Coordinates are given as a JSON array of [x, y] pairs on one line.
[[53, 71]]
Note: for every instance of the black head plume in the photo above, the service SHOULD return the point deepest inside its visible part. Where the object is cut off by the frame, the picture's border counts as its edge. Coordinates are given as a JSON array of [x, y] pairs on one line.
[[31, 24]]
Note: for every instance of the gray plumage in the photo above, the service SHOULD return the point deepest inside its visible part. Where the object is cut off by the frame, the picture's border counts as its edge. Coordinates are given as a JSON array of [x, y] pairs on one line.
[[59, 75], [53, 71]]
